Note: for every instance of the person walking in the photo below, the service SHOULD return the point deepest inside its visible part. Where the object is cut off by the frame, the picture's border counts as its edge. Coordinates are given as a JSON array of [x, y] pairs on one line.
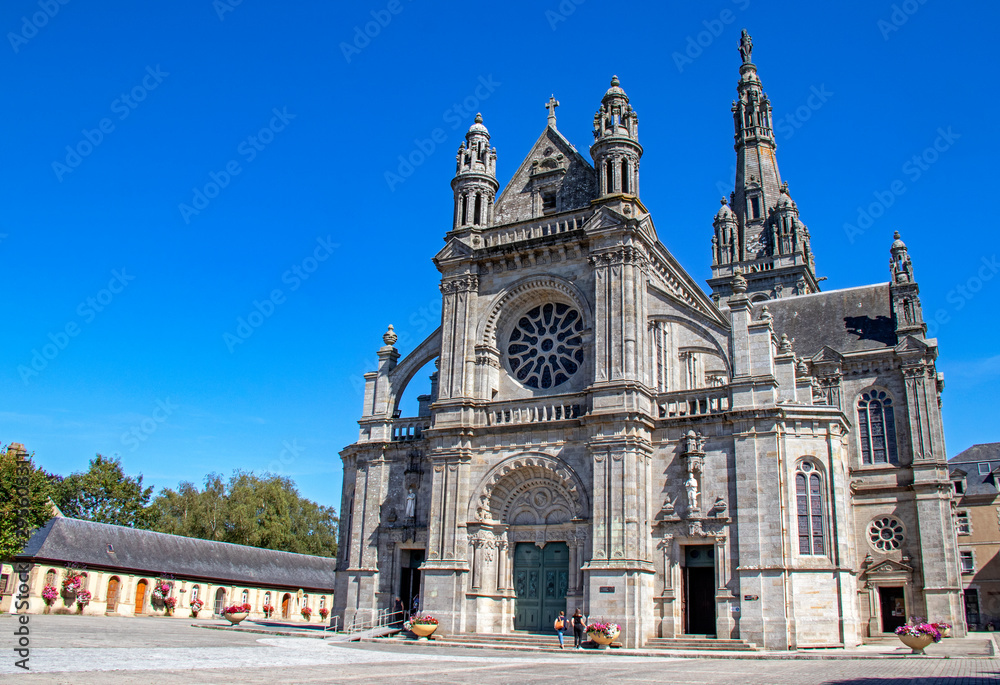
[[560, 626], [415, 607], [398, 612], [579, 628]]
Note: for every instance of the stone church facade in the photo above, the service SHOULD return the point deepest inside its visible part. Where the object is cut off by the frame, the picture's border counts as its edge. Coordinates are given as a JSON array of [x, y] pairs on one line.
[[765, 462]]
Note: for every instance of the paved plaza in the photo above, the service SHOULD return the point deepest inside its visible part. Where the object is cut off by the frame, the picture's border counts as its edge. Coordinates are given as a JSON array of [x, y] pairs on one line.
[[76, 649]]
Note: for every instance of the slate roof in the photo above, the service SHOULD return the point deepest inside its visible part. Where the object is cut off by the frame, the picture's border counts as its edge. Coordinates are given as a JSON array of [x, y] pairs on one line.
[[967, 463], [848, 320], [85, 542]]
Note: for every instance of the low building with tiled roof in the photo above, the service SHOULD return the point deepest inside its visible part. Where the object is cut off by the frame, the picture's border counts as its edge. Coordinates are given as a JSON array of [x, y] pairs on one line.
[[122, 568], [975, 474]]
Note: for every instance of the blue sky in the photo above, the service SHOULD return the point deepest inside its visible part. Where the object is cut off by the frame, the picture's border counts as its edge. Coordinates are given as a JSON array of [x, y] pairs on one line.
[[169, 166]]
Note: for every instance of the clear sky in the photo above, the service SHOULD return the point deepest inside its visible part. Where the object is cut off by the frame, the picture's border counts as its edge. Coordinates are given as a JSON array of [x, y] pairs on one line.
[[168, 166]]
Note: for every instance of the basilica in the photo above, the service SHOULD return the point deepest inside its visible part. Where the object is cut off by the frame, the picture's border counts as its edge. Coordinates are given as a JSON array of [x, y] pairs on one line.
[[760, 460]]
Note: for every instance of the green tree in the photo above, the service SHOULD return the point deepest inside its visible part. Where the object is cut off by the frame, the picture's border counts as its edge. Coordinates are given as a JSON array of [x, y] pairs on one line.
[[105, 494], [24, 499], [260, 511]]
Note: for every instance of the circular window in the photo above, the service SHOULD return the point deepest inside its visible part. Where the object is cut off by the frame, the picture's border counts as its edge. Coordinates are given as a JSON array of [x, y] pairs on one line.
[[885, 533], [546, 346]]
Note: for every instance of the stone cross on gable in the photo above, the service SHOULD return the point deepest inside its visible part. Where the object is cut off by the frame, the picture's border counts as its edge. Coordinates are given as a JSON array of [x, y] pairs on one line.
[[551, 106]]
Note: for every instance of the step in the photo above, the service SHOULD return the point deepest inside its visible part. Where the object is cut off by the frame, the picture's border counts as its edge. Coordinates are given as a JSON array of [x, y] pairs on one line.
[[699, 643]]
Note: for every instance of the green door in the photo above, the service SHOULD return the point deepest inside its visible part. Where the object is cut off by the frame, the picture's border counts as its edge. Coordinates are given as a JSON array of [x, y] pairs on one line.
[[540, 580]]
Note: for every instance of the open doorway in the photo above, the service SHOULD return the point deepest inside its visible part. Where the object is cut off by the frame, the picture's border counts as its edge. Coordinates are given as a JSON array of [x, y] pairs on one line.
[[893, 605], [699, 590], [409, 576]]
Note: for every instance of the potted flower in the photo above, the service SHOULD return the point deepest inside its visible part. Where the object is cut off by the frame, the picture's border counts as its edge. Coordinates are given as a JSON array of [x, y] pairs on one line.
[[423, 626], [324, 612], [236, 613], [943, 628], [196, 605], [82, 599], [268, 610], [306, 613], [169, 603], [918, 635], [603, 634]]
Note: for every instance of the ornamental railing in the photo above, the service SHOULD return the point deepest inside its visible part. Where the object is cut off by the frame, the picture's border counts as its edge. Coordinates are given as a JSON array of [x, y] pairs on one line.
[[697, 402], [541, 410], [410, 428], [536, 228]]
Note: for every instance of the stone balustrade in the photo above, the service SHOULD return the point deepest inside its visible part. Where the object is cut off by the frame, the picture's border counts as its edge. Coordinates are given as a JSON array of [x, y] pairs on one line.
[[410, 428], [541, 410], [697, 402], [536, 228]]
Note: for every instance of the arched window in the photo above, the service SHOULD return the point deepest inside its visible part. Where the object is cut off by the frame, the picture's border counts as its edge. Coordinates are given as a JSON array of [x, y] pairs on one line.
[[625, 187], [194, 592], [877, 428], [809, 508], [322, 602], [267, 598], [50, 577], [610, 166], [245, 597], [305, 600]]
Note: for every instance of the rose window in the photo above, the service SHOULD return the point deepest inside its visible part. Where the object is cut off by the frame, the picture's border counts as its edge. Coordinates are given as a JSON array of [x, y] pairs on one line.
[[885, 534], [546, 346]]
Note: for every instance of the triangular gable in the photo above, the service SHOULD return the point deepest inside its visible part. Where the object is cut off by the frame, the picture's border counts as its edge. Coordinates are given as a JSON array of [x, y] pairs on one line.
[[911, 344], [553, 162], [888, 567], [828, 355], [454, 249]]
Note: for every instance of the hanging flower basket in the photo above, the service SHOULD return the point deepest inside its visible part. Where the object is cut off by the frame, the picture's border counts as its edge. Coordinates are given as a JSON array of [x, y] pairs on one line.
[[83, 598], [196, 605], [72, 584]]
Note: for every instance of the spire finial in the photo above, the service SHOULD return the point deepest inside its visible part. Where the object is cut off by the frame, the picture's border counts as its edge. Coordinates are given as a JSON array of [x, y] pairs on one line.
[[390, 337], [479, 118], [551, 106], [615, 81], [746, 46]]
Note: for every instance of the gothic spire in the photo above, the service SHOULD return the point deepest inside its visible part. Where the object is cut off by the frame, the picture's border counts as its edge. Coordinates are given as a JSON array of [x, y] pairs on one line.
[[905, 292], [767, 239]]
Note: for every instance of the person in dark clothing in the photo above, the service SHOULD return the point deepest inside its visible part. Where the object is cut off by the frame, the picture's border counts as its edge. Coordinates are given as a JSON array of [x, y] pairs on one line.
[[579, 629], [398, 613]]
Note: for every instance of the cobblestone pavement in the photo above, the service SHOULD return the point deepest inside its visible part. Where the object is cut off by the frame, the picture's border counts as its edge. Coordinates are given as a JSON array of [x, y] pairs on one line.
[[75, 649]]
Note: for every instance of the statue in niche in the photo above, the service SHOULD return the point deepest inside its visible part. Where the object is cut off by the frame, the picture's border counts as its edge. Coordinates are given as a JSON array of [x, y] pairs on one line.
[[691, 485], [411, 504]]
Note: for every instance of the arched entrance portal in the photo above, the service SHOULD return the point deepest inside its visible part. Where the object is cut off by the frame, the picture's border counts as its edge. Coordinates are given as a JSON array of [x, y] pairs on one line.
[[541, 579], [533, 509], [286, 606], [140, 597]]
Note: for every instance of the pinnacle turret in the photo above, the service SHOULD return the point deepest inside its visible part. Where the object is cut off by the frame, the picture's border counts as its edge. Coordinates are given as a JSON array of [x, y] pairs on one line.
[[475, 183], [616, 150]]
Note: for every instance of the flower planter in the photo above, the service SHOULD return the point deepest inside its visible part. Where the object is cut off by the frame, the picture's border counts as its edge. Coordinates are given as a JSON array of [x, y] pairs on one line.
[[946, 632], [916, 643], [235, 618], [423, 630], [601, 640]]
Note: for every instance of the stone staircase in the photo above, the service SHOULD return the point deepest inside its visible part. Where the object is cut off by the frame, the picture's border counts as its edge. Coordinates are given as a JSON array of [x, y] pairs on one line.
[[518, 638], [700, 643]]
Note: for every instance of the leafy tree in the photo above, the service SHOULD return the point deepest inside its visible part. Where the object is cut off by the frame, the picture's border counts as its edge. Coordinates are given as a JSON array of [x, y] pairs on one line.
[[260, 511], [24, 499], [106, 495]]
